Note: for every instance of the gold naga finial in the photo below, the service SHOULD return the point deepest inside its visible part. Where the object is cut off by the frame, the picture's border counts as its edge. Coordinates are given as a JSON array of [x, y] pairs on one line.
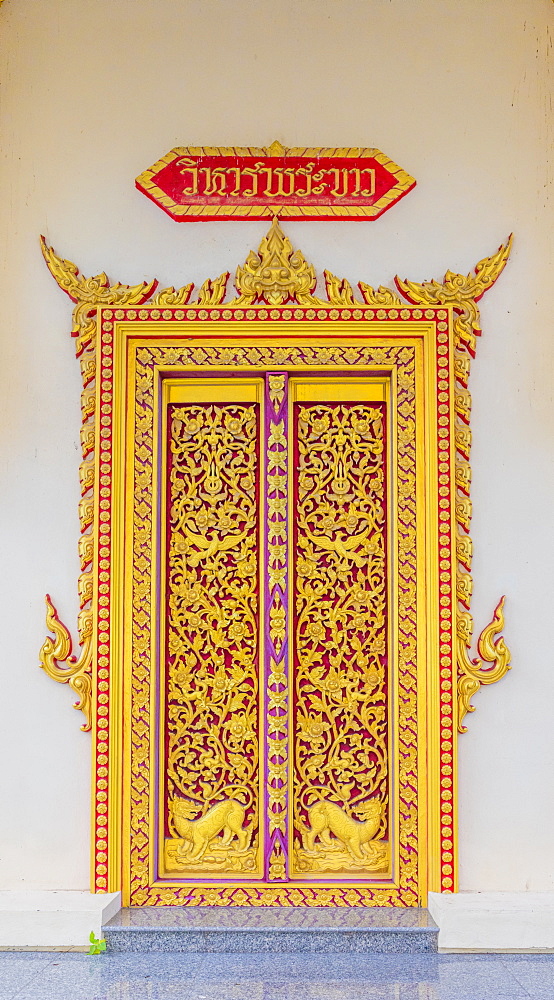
[[89, 293], [492, 650], [462, 291]]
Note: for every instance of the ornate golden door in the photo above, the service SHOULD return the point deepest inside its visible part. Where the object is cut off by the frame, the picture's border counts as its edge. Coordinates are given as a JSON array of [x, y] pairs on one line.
[[275, 574], [284, 626], [275, 676]]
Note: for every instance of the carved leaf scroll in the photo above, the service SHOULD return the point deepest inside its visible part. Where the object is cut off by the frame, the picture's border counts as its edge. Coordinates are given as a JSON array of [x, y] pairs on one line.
[[88, 294], [341, 617], [60, 665]]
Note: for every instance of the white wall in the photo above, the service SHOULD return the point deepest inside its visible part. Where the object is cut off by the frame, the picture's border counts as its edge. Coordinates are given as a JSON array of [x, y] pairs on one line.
[[456, 91]]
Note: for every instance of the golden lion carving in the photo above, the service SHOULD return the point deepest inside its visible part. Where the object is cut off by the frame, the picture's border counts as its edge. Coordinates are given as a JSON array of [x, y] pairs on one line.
[[328, 818], [226, 816]]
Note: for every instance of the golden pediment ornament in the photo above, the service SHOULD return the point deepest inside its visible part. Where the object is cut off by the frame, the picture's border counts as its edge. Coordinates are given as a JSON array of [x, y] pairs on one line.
[[277, 275]]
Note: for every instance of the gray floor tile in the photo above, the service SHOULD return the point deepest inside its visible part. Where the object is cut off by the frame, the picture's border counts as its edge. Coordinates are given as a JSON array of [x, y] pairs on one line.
[[482, 991], [344, 967], [275, 977], [17, 969], [117, 977], [316, 989], [478, 977], [535, 973]]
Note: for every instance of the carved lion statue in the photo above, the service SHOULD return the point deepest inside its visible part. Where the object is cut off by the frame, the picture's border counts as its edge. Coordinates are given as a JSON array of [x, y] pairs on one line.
[[226, 816], [328, 818]]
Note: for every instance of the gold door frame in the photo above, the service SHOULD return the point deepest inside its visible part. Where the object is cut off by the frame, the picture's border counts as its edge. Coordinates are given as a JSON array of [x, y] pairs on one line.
[[275, 322], [399, 353]]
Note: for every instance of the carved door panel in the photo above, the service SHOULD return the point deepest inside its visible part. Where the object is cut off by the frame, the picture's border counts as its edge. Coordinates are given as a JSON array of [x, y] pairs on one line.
[[339, 665], [213, 738], [275, 681]]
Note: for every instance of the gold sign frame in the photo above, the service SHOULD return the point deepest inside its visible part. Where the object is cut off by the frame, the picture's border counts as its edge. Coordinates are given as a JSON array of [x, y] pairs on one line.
[[276, 306], [165, 184]]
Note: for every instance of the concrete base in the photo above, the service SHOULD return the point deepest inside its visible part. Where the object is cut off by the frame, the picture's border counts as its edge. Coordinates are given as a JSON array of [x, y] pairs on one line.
[[468, 922], [53, 920], [494, 921]]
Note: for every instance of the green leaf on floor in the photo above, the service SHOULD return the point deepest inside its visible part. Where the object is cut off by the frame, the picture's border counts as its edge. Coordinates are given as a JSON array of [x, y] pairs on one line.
[[97, 945]]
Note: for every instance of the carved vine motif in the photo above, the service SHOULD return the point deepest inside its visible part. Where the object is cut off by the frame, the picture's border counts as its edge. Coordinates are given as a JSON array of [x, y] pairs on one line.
[[341, 756], [276, 275], [212, 749], [402, 358]]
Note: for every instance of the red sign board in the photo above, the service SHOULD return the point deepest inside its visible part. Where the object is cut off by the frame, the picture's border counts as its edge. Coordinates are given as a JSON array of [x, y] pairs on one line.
[[203, 183]]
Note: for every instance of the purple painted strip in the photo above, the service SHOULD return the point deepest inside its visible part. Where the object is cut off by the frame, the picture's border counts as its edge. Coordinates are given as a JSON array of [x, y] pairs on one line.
[[276, 413], [161, 488]]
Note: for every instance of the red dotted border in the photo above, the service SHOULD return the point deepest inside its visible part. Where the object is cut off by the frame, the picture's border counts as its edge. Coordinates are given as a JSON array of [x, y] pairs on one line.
[[103, 555], [103, 562], [447, 598], [215, 313]]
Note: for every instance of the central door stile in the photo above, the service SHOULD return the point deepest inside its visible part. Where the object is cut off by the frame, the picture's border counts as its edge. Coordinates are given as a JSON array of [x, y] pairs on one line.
[[276, 645]]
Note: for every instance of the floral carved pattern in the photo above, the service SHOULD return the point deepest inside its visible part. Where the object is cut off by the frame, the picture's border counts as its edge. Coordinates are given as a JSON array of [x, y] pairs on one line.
[[341, 628], [143, 893]]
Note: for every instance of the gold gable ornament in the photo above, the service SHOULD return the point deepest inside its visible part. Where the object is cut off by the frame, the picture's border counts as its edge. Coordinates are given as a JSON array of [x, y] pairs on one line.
[[278, 274]]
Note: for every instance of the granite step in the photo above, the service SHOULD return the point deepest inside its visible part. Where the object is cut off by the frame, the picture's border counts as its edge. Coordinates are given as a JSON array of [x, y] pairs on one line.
[[271, 929]]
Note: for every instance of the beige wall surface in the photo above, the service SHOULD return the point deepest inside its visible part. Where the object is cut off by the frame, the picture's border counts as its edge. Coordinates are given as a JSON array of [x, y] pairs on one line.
[[456, 91]]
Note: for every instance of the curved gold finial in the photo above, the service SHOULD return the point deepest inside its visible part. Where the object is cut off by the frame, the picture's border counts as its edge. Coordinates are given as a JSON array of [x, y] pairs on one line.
[[60, 665], [492, 650], [89, 293], [276, 274], [462, 292]]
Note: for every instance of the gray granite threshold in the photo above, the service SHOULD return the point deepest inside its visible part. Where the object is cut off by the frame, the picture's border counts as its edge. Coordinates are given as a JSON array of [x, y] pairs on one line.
[[192, 929]]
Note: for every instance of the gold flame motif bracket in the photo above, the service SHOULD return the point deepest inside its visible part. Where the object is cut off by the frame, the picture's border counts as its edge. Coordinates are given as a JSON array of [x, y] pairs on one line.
[[462, 292], [87, 293], [275, 275], [60, 665], [472, 673]]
